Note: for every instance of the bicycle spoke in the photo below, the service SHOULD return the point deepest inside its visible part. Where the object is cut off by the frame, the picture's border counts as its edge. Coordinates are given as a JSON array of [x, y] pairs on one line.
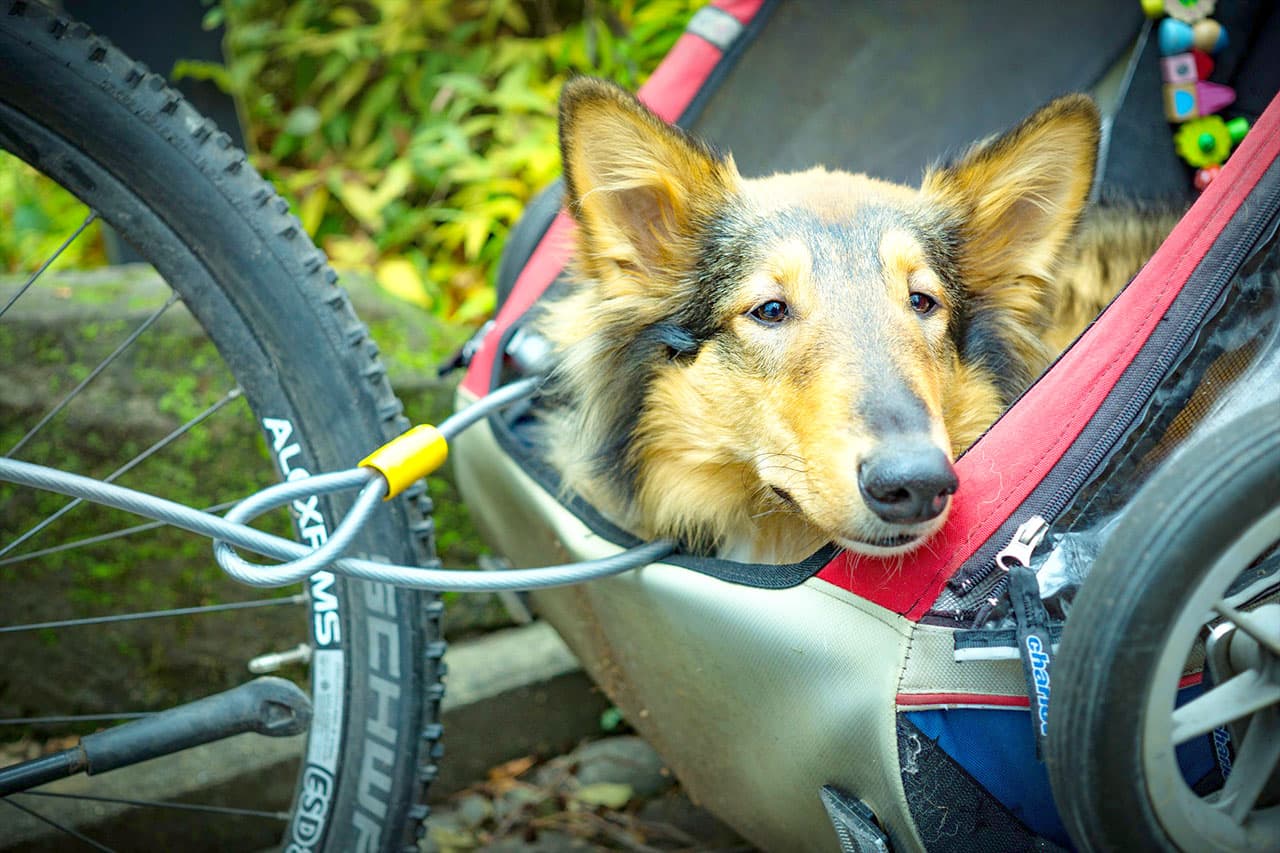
[[1254, 766], [75, 718], [230, 396], [35, 275], [1235, 698], [93, 374], [300, 598], [160, 804], [1248, 623], [102, 537], [58, 826]]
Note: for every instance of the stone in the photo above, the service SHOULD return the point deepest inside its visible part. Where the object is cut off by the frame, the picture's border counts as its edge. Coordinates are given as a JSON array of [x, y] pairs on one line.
[[626, 760]]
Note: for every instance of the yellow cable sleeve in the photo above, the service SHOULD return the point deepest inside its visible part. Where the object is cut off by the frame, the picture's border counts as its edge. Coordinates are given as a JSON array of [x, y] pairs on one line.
[[408, 457]]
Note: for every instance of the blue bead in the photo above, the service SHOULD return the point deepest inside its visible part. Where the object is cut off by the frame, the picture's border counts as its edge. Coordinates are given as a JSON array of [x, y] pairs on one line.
[[1175, 37]]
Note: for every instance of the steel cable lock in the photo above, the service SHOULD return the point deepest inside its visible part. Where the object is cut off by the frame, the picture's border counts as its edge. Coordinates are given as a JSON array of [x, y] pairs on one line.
[[381, 475]]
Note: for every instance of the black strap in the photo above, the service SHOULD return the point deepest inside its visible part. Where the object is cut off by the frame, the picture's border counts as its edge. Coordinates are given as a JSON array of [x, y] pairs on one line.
[[1035, 647]]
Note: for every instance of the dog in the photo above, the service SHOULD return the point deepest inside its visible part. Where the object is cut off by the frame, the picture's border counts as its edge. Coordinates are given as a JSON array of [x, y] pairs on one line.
[[758, 367]]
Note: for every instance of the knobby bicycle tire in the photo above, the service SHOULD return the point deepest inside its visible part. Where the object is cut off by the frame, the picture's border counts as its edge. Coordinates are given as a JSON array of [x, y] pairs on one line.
[[115, 135]]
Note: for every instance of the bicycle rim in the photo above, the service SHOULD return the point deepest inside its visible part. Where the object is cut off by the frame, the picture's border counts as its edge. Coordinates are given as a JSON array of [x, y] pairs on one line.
[[144, 161]]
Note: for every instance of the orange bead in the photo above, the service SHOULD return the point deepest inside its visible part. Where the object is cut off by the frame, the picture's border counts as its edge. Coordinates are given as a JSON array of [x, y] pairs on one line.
[[1205, 176]]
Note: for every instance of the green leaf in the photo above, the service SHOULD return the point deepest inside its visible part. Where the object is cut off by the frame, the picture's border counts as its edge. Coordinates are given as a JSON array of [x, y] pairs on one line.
[[611, 719], [611, 795], [373, 108], [213, 18], [302, 121], [195, 69]]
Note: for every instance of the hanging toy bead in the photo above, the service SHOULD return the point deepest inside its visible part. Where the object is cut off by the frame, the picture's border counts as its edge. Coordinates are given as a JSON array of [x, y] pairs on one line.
[[1189, 11], [1213, 97], [1205, 176], [1175, 37], [1203, 142], [1208, 35], [1237, 128], [1204, 63], [1186, 38], [1185, 101], [1179, 68], [1180, 102]]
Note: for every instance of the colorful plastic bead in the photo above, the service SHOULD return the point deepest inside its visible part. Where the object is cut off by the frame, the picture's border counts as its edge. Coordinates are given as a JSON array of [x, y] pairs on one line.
[[1204, 63], [1180, 102], [1208, 35], [1205, 176], [1179, 68], [1203, 142], [1189, 11], [1175, 37], [1237, 128], [1153, 8], [1213, 97]]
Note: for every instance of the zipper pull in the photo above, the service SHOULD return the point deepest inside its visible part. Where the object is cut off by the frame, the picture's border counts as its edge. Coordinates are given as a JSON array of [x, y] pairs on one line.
[[1035, 646], [1024, 542], [1017, 553]]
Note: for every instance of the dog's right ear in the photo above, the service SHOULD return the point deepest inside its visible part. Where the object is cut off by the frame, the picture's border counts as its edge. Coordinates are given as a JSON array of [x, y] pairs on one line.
[[637, 186]]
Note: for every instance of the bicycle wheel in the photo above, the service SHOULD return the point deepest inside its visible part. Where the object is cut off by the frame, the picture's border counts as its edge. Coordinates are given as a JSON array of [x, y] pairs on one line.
[[1192, 561], [169, 183]]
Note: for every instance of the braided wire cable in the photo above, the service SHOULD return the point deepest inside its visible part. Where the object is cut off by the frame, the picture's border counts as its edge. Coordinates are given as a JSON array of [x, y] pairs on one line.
[[432, 578], [302, 561]]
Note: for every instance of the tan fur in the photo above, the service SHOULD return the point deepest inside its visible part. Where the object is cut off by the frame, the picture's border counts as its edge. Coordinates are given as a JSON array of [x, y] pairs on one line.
[[1021, 197], [748, 441], [972, 404], [1111, 246]]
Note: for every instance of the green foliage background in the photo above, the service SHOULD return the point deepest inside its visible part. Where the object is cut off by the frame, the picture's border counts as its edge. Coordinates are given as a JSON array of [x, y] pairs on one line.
[[407, 134], [410, 134], [38, 216]]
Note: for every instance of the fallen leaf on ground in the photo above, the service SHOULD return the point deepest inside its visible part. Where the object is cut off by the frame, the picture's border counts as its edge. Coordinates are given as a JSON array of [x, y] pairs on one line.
[[611, 795]]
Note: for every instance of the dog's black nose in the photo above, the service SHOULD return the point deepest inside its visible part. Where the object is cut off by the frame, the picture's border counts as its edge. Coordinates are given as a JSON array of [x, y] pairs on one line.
[[907, 483]]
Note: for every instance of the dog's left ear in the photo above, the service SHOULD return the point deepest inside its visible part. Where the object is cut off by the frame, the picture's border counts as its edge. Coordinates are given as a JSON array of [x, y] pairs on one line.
[[1018, 197]]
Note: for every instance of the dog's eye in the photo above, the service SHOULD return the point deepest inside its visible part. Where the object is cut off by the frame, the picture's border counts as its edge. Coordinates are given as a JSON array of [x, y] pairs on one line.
[[773, 311], [922, 303]]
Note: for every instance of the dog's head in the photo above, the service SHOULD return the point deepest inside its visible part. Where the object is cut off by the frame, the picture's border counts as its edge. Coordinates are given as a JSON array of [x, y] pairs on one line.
[[804, 351]]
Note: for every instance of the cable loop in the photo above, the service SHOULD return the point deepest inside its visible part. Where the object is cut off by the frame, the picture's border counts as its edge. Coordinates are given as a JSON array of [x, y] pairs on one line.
[[374, 487], [301, 561]]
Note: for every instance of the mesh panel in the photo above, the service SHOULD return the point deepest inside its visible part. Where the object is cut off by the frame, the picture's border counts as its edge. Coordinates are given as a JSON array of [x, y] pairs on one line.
[[952, 811], [1230, 366]]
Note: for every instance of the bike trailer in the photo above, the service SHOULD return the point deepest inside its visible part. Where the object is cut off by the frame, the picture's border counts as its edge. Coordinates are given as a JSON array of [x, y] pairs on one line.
[[846, 702]]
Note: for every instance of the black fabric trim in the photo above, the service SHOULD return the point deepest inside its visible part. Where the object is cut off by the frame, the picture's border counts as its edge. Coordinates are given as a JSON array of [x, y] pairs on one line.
[[760, 576], [998, 638], [951, 810]]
